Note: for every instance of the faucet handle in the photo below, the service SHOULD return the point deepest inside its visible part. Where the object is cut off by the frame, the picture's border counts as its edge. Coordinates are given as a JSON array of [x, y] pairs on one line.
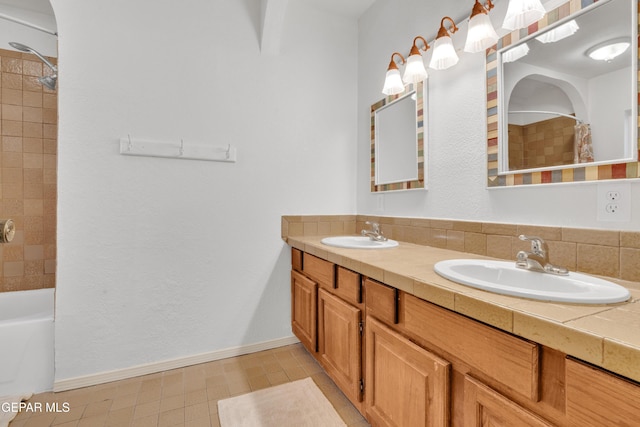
[[374, 225], [538, 246]]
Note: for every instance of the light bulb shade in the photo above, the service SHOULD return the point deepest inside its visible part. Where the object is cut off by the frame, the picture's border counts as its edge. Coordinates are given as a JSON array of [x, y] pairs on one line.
[[560, 32], [444, 54], [481, 34], [393, 83], [608, 51], [414, 71], [515, 53], [522, 13]]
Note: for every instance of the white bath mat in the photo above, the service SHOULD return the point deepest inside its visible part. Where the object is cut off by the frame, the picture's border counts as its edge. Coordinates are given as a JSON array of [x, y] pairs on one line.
[[296, 404], [7, 406]]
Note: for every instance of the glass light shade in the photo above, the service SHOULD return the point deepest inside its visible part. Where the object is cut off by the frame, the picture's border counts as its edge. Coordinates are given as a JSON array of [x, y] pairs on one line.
[[481, 34], [560, 32], [608, 51], [414, 71], [444, 54], [393, 83], [522, 13], [515, 53]]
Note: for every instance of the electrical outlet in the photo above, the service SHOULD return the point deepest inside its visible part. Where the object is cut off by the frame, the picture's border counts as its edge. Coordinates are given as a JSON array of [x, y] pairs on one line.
[[614, 201], [613, 195], [380, 203]]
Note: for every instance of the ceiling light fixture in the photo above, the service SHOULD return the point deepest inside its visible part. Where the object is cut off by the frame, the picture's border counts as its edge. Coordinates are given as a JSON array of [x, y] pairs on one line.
[[560, 32], [522, 13], [607, 51], [481, 34], [415, 72], [444, 54], [393, 82]]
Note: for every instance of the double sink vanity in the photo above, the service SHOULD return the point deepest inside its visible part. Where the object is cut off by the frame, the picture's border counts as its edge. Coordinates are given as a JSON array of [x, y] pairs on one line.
[[411, 347]]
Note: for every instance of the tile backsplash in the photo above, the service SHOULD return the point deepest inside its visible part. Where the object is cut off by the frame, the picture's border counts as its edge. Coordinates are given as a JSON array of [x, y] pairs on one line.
[[602, 252], [28, 172]]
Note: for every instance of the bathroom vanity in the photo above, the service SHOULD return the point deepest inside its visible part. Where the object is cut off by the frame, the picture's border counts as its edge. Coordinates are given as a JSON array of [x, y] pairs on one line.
[[409, 348]]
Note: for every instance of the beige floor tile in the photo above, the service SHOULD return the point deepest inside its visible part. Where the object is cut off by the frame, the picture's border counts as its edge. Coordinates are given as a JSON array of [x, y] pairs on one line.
[[187, 396]]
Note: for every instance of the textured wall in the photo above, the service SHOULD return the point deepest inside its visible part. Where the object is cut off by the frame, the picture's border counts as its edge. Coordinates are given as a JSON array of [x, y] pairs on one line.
[[164, 258]]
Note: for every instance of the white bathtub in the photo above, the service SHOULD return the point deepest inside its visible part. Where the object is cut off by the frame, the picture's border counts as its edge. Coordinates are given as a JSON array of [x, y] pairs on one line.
[[26, 342]]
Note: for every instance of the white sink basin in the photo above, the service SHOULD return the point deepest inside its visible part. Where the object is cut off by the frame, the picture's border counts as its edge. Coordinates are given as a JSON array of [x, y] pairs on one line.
[[357, 242], [503, 277]]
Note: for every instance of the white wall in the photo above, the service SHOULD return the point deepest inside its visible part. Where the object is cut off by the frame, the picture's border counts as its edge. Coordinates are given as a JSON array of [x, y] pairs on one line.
[[457, 169], [160, 258]]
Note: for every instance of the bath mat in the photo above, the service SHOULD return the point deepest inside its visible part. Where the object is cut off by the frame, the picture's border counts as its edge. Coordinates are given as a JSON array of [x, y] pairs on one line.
[[299, 403], [7, 406]]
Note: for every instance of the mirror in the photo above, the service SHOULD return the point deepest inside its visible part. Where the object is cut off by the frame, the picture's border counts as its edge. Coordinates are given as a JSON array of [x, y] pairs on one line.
[[397, 141], [554, 113]]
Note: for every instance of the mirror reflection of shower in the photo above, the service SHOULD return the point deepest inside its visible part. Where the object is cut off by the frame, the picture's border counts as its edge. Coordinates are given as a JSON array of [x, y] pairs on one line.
[[48, 81]]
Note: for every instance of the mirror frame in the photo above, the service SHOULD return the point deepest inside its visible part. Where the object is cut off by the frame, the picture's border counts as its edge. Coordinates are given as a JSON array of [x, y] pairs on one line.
[[573, 174], [419, 182]]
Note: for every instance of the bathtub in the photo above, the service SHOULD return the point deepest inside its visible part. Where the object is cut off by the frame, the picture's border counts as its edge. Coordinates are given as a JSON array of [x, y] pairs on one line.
[[26, 342]]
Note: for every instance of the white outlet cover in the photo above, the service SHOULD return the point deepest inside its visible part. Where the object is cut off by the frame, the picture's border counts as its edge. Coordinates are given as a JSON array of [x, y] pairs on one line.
[[623, 203]]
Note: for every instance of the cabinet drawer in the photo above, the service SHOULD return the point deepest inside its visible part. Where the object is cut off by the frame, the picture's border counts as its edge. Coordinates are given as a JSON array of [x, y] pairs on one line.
[[597, 398], [348, 286], [320, 270], [296, 259], [382, 301], [512, 361]]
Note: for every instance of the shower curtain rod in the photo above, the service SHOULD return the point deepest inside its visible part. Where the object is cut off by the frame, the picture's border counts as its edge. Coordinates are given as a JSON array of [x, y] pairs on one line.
[[27, 24], [548, 112]]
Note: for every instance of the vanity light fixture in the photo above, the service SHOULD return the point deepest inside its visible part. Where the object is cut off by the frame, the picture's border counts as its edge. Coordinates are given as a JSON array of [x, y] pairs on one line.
[[481, 34], [515, 53], [607, 51], [560, 32], [393, 82], [415, 72], [444, 54], [522, 13]]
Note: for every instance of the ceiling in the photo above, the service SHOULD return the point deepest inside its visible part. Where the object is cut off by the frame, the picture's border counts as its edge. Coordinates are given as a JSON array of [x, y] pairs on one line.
[[350, 8], [40, 6], [596, 26]]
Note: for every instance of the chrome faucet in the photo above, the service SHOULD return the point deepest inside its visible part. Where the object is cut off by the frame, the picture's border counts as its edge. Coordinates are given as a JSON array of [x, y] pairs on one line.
[[538, 258], [374, 234]]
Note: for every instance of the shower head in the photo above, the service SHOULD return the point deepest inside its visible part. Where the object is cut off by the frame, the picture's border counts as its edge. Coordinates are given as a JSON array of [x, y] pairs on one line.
[[48, 81]]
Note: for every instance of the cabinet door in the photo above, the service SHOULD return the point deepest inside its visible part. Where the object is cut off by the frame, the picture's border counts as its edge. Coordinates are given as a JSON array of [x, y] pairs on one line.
[[484, 407], [340, 343], [405, 384], [597, 398], [304, 293]]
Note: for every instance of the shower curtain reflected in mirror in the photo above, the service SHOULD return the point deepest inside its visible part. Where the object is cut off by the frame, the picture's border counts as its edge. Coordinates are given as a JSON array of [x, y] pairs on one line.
[[583, 149]]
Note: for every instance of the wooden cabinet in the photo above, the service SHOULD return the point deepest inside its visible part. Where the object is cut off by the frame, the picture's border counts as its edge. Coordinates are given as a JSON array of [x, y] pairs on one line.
[[597, 398], [418, 364], [484, 407], [340, 343], [304, 294], [405, 384]]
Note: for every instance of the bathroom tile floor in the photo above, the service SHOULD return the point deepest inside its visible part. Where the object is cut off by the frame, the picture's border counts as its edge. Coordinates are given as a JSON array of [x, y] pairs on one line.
[[186, 396]]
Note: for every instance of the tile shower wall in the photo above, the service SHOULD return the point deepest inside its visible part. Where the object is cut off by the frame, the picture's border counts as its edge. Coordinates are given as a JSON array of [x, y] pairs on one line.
[[526, 151], [28, 172]]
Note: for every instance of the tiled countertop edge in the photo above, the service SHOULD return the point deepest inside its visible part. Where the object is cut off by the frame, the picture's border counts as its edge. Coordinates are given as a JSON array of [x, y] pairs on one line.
[[564, 327]]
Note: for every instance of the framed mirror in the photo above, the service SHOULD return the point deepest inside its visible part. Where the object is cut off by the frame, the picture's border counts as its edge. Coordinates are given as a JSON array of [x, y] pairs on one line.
[[555, 114], [398, 140]]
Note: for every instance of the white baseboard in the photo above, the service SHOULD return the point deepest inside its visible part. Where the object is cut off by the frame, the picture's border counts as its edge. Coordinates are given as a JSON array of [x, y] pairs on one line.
[[165, 365]]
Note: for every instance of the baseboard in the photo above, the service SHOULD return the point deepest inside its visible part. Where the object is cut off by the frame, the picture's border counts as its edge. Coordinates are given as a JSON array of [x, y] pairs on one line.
[[165, 365]]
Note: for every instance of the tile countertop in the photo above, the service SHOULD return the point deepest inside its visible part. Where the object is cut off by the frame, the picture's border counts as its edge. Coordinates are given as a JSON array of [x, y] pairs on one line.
[[604, 335]]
